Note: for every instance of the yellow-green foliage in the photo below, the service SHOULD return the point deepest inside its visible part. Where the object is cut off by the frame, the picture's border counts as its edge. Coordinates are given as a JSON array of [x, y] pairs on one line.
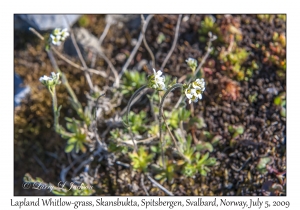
[[141, 159]]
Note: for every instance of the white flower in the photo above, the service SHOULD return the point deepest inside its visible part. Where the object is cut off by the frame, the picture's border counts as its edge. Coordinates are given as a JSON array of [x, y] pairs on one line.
[[194, 91], [191, 95], [192, 63], [45, 78], [50, 81], [64, 34], [199, 84], [59, 36], [56, 32], [56, 40], [157, 80]]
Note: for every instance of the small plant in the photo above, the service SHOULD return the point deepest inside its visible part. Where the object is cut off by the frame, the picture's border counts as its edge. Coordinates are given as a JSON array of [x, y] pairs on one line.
[[177, 116], [191, 161], [281, 102], [137, 122], [208, 25], [262, 164], [141, 159], [78, 138], [233, 61], [194, 161], [166, 174], [132, 81], [236, 130], [275, 53]]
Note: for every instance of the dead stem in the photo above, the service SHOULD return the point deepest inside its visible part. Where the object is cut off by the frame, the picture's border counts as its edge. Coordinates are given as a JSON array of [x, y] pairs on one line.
[[159, 186], [133, 52], [173, 138], [36, 33], [94, 71], [134, 101], [117, 79], [101, 38], [145, 42], [143, 185], [87, 76], [174, 43]]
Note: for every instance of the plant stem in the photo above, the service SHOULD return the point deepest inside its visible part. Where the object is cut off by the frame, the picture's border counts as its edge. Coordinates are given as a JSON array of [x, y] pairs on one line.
[[54, 106], [159, 186], [174, 140], [63, 76], [209, 49], [133, 52], [145, 42], [160, 116], [127, 113]]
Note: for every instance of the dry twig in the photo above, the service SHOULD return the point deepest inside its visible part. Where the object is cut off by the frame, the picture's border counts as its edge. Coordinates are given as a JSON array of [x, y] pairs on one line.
[[159, 186], [133, 52], [174, 43]]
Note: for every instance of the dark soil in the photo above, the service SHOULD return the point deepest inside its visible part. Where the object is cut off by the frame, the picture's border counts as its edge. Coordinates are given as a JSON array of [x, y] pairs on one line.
[[227, 101]]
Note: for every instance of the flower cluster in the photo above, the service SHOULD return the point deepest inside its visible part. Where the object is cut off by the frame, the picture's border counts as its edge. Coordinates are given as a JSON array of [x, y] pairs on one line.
[[157, 81], [59, 36], [192, 63], [194, 91], [50, 81]]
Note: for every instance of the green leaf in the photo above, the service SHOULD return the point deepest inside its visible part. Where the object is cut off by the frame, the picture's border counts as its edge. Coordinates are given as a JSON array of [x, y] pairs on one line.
[[207, 134], [158, 177], [231, 129], [197, 121], [154, 149], [68, 119], [216, 140], [240, 129], [205, 146], [58, 111], [277, 100], [203, 172], [56, 192], [69, 148], [283, 112], [77, 147], [236, 134], [210, 162], [262, 163], [183, 114], [204, 158], [72, 140], [82, 147]]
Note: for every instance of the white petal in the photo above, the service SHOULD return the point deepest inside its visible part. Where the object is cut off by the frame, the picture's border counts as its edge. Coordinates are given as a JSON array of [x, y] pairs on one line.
[[159, 73], [154, 72], [195, 100], [45, 78], [159, 79], [193, 92], [188, 95]]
